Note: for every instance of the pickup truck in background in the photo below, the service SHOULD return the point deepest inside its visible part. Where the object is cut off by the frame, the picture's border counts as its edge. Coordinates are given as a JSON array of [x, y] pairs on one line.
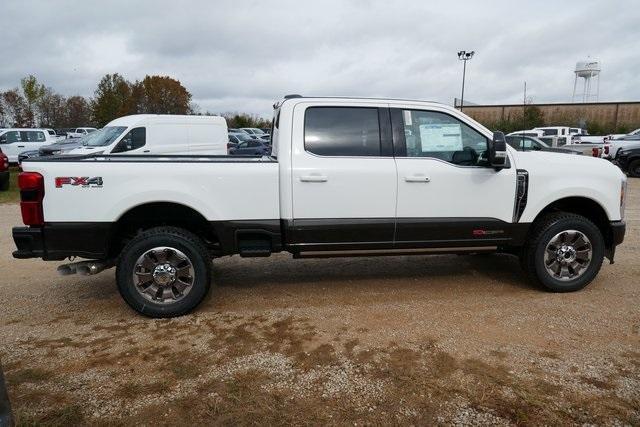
[[346, 177], [79, 132], [17, 140]]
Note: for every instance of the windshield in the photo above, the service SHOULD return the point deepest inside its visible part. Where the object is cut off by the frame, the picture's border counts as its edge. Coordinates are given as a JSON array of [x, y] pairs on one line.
[[103, 137]]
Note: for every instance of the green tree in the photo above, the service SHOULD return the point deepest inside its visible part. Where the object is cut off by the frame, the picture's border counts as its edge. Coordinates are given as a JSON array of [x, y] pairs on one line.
[[33, 91], [112, 99]]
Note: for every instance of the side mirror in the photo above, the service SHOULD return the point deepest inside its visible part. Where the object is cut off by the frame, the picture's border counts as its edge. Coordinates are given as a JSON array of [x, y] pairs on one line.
[[498, 151]]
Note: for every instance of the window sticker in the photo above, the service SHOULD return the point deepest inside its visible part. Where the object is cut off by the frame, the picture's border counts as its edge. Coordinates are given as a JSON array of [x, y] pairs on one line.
[[441, 137], [407, 117]]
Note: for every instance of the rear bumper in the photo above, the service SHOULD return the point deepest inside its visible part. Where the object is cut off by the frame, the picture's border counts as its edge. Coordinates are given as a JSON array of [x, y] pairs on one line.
[[29, 242], [57, 241]]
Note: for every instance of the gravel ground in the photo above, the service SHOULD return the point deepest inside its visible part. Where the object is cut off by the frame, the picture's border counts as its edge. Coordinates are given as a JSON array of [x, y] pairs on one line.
[[459, 340]]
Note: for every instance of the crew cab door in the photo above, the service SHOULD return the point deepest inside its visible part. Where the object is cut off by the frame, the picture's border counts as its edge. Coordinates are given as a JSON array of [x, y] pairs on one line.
[[344, 180], [448, 195]]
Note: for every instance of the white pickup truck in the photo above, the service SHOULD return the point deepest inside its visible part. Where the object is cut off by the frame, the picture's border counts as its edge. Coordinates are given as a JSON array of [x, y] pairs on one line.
[[346, 176]]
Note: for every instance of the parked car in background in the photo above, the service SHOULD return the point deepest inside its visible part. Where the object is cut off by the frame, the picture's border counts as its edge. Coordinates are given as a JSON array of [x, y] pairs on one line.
[[616, 145], [58, 148], [16, 140], [530, 132], [266, 130], [265, 137], [251, 148], [530, 143], [52, 133], [158, 134], [4, 172], [236, 130], [253, 131], [237, 138], [79, 132], [561, 131], [628, 160]]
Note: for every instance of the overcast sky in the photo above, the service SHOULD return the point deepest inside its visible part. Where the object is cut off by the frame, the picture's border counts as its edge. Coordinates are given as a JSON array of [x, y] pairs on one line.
[[242, 55]]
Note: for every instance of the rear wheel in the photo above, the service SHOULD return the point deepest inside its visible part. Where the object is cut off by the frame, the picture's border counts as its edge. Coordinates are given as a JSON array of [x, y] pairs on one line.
[[564, 252], [634, 168], [164, 272], [4, 184]]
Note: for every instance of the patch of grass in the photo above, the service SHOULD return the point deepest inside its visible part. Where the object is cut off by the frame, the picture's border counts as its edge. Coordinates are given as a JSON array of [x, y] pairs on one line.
[[67, 415], [13, 194], [602, 385], [28, 375], [184, 366]]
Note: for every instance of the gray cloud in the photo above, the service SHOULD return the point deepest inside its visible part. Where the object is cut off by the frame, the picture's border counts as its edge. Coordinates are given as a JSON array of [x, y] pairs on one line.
[[243, 55]]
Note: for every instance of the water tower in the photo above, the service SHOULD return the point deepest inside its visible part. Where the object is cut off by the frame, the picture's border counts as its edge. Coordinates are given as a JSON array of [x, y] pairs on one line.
[[588, 70]]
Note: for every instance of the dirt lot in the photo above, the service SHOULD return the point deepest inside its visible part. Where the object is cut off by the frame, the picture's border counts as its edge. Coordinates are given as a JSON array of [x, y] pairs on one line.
[[441, 339]]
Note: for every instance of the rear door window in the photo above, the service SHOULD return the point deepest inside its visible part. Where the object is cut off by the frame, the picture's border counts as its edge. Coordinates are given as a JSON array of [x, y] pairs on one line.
[[342, 131]]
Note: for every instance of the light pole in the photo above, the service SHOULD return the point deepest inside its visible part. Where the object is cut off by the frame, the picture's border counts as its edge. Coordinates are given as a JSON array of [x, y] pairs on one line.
[[464, 56]]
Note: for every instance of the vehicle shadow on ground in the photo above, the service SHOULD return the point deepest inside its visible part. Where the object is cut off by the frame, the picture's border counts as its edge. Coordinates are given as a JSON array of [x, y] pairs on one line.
[[437, 270]]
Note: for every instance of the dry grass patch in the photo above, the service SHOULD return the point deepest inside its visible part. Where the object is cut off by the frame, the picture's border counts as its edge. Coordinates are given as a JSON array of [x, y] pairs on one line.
[[28, 375]]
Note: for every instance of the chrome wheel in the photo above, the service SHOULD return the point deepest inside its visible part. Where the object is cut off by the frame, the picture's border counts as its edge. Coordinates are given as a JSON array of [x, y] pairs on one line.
[[163, 275], [568, 255]]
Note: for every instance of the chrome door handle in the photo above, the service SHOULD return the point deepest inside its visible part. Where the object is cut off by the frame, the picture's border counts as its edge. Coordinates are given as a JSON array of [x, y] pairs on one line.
[[313, 178], [417, 178]]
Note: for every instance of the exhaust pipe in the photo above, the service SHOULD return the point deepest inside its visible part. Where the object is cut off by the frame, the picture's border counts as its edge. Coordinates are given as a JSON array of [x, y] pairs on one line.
[[67, 269], [89, 268], [84, 268]]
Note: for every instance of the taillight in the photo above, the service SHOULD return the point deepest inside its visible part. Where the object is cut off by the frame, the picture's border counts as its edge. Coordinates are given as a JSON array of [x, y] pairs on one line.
[[606, 149], [595, 152], [31, 186]]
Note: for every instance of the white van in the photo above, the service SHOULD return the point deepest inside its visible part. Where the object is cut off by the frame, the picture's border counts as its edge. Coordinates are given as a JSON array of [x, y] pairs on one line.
[[158, 134]]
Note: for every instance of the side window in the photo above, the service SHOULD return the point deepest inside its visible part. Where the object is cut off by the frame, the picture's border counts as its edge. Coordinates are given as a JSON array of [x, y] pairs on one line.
[[10, 137], [242, 145], [342, 131], [441, 136], [37, 137], [133, 140], [51, 132]]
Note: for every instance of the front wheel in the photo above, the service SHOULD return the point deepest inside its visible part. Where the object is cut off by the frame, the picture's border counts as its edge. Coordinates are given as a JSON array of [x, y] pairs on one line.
[[564, 252], [164, 272]]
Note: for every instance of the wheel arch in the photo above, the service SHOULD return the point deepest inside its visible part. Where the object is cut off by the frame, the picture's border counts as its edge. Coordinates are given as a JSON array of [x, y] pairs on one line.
[[160, 213], [583, 206]]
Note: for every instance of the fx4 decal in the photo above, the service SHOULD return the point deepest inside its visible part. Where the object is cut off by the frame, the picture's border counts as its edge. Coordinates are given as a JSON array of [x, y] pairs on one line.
[[79, 181]]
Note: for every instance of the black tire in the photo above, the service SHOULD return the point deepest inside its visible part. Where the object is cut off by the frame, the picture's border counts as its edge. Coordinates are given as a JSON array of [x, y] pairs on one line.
[[4, 184], [532, 258], [634, 168], [182, 240]]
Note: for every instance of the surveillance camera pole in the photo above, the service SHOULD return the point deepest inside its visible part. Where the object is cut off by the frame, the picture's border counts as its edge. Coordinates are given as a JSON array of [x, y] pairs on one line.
[[464, 56]]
